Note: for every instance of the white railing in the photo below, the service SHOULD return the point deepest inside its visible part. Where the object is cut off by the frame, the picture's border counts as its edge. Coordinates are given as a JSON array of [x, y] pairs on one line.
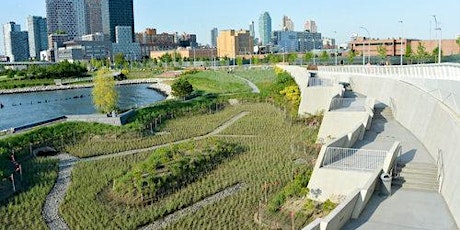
[[348, 104], [321, 82], [353, 159], [444, 71]]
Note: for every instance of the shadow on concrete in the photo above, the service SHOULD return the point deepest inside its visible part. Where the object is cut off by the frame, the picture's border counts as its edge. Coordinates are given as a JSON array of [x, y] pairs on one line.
[[407, 157], [367, 213]]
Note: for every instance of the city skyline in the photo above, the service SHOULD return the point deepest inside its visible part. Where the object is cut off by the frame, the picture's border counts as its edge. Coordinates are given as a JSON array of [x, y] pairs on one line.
[[379, 17]]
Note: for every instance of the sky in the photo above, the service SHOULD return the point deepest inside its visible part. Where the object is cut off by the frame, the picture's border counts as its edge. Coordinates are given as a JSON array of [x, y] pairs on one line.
[[335, 18]]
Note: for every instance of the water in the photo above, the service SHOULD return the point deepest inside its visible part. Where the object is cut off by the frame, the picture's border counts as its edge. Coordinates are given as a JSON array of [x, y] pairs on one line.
[[25, 108]]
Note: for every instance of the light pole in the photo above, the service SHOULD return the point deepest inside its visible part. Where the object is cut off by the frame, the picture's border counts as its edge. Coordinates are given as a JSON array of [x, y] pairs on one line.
[[369, 48], [335, 46], [313, 50], [401, 48], [438, 27]]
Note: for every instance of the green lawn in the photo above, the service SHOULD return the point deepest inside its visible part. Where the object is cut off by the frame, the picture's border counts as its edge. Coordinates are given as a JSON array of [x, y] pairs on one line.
[[218, 82]]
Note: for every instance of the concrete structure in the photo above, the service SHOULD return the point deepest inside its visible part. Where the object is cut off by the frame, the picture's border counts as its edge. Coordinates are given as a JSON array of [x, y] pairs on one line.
[[124, 44], [424, 99], [231, 43], [93, 16], [214, 34], [16, 42], [85, 50], [117, 13], [66, 16], [189, 53], [310, 26], [38, 38], [287, 24], [265, 28]]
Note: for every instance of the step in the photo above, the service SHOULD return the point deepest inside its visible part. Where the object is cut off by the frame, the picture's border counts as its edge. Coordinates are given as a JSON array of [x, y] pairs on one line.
[[412, 171], [431, 188], [422, 177]]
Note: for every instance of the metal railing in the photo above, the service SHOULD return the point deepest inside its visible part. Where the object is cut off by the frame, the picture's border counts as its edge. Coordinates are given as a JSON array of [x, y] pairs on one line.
[[321, 82], [353, 159], [348, 104], [444, 71]]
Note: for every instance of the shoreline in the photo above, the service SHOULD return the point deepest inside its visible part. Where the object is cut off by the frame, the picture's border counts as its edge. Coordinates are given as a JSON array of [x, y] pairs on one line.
[[156, 85]]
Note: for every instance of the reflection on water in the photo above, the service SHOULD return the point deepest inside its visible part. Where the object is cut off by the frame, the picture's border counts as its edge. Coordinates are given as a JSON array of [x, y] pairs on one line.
[[26, 108]]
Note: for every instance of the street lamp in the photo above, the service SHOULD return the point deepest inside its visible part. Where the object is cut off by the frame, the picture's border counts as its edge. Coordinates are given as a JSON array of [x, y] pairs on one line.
[[369, 48], [401, 48], [438, 27], [313, 50], [335, 46]]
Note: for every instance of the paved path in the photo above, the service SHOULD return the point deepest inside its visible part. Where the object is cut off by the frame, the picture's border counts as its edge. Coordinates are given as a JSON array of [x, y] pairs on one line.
[[406, 208], [50, 211], [254, 87]]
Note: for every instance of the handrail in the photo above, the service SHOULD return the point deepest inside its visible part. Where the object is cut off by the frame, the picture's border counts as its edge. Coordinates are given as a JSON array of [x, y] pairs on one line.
[[440, 165], [353, 159]]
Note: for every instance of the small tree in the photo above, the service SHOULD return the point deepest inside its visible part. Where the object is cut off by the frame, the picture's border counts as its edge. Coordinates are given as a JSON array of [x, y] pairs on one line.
[[239, 61], [119, 60], [308, 56], [181, 88], [324, 57], [351, 56], [421, 55], [434, 54], [382, 50], [458, 43], [104, 94], [409, 55]]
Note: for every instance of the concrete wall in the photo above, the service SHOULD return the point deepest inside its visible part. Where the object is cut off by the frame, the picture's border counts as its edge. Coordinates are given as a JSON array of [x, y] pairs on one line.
[[432, 122], [342, 213], [337, 123], [121, 119]]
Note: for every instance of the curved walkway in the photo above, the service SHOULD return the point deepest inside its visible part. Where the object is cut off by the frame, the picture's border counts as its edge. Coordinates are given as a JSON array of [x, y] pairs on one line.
[[50, 210], [254, 87]]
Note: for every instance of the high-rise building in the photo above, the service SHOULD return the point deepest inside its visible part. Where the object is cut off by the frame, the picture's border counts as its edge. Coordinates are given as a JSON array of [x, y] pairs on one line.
[[310, 26], [66, 16], [231, 43], [124, 43], [16, 42], [38, 38], [287, 25], [252, 30], [93, 16], [116, 13], [214, 34], [265, 28]]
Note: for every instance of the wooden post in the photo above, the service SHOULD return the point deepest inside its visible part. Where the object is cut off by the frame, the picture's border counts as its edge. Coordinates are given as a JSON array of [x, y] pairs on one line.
[[293, 220]]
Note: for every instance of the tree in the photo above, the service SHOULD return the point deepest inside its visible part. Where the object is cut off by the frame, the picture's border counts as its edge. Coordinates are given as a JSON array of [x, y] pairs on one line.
[[119, 60], [292, 57], [181, 88], [308, 56], [458, 43], [409, 55], [351, 56], [324, 57], [382, 50], [104, 94], [434, 54], [239, 61], [421, 55]]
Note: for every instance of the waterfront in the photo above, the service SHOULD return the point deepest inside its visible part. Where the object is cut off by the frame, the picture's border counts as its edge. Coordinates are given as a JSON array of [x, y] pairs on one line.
[[25, 108]]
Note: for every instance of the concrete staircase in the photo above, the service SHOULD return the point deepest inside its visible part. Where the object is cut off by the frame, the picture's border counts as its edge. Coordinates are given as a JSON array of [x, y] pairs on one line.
[[420, 176]]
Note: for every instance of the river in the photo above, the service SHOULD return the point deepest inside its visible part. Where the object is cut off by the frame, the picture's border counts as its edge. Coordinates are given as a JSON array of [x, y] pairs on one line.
[[25, 108]]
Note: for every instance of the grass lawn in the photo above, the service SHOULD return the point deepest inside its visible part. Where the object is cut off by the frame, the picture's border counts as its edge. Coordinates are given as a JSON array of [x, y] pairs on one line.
[[218, 82]]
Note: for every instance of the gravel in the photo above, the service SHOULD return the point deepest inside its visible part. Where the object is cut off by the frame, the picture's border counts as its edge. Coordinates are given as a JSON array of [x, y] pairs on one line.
[[50, 210]]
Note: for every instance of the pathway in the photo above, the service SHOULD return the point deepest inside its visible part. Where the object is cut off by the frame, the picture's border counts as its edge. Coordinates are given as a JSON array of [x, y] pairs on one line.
[[405, 208], [50, 210], [254, 87]]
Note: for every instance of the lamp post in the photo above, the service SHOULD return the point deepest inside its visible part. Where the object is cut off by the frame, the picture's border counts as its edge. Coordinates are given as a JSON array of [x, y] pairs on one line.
[[438, 27], [335, 46], [369, 48], [313, 50], [401, 48]]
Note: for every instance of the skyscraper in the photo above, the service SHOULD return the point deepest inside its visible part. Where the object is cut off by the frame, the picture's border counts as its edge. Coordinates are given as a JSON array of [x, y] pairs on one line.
[[265, 28], [252, 31], [287, 25], [66, 16], [116, 13], [214, 34], [38, 39], [310, 26], [93, 16], [16, 42]]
